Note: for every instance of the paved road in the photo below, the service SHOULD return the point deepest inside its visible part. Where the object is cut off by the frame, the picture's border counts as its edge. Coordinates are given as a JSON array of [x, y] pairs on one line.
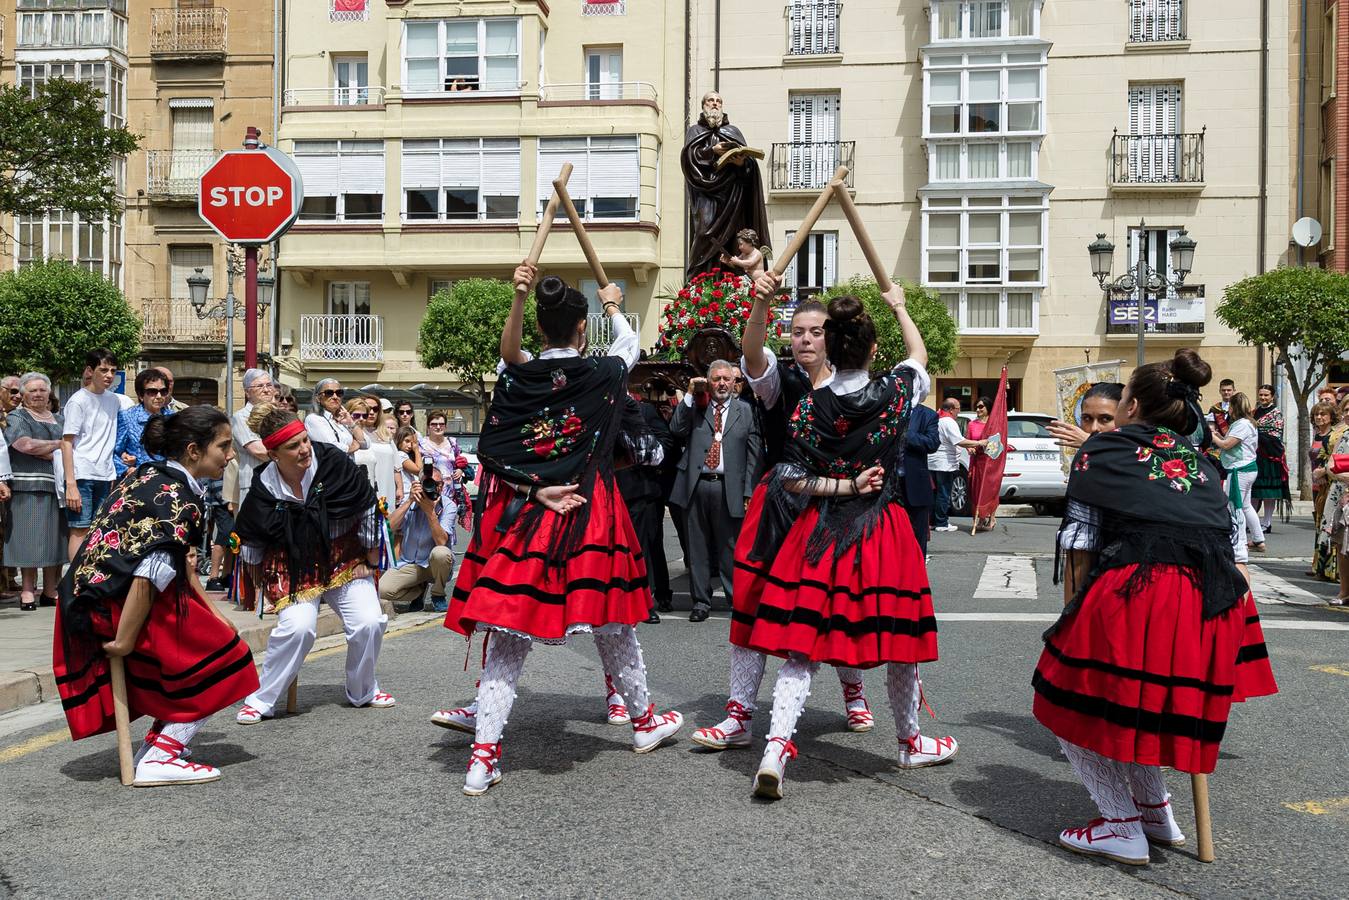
[[343, 802]]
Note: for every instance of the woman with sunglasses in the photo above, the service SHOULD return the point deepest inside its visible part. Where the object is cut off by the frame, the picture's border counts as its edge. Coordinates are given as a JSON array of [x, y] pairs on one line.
[[153, 391], [330, 423], [404, 414], [310, 529], [361, 424]]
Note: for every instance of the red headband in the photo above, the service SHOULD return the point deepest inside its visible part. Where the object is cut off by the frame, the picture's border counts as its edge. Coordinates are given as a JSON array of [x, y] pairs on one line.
[[279, 437]]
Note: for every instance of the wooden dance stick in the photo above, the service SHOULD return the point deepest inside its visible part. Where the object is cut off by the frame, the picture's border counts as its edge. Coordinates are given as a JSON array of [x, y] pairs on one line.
[[546, 224], [859, 230], [120, 714], [803, 231], [1203, 825], [293, 697], [560, 191]]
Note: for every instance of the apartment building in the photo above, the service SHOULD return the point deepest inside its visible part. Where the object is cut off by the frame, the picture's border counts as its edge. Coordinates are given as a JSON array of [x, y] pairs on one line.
[[990, 141], [1323, 129], [428, 133], [180, 77]]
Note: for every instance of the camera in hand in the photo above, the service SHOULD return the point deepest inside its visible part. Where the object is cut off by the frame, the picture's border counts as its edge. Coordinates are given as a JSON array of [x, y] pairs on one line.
[[429, 486]]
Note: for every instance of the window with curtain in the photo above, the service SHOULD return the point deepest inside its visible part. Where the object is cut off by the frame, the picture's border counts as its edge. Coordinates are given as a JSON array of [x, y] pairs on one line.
[[458, 55], [193, 142], [343, 180], [183, 263], [474, 180], [606, 175]]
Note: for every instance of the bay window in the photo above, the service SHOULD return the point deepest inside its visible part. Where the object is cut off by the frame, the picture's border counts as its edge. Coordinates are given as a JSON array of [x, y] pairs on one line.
[[606, 175], [997, 240], [343, 180], [461, 55], [474, 180], [973, 20], [984, 93]]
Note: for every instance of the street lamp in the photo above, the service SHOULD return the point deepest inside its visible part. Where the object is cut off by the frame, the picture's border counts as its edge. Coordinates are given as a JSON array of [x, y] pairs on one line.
[[227, 310], [1142, 279]]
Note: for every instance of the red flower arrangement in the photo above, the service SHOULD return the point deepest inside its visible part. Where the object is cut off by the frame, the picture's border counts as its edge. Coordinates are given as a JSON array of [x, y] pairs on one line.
[[716, 299]]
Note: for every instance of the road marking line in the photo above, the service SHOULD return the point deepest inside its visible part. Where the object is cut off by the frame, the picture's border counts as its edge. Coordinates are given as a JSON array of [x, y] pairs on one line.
[[1320, 807], [1270, 588], [1331, 670], [34, 744], [1007, 578]]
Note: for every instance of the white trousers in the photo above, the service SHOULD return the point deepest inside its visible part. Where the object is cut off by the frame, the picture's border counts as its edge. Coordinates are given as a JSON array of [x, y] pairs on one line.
[[1248, 525], [357, 605]]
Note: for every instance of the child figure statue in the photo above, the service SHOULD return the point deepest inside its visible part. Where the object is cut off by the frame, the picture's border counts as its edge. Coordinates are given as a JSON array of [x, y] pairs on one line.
[[749, 258]]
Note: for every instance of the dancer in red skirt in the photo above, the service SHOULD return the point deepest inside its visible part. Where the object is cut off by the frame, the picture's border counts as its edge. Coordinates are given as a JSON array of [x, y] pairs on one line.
[[827, 566], [131, 593], [1159, 634], [553, 551]]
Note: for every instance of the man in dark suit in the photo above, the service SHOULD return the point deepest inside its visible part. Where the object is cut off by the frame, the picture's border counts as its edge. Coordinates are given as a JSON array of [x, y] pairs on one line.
[[640, 486], [716, 476], [923, 439]]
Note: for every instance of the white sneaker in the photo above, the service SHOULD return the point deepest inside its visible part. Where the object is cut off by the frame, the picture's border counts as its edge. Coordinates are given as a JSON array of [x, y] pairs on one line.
[[618, 707], [731, 733], [464, 719], [860, 719], [650, 729], [160, 772], [1159, 824], [1109, 838], [483, 771], [921, 750], [381, 700], [250, 716], [768, 780]]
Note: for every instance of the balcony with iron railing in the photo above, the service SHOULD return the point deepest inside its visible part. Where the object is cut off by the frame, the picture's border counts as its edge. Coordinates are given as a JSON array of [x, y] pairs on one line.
[[117, 6], [604, 8], [365, 95], [592, 92], [341, 339], [189, 34], [808, 166], [812, 28], [1156, 21], [174, 174], [1157, 162], [600, 330], [175, 322]]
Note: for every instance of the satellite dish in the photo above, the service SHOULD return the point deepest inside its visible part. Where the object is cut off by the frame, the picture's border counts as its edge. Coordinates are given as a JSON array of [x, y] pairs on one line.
[[1306, 232]]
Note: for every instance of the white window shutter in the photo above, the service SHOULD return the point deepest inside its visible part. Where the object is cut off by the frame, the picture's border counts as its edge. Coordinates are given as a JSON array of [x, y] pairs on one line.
[[421, 169], [830, 241], [360, 172], [614, 168], [501, 168], [552, 154], [320, 173], [460, 164]]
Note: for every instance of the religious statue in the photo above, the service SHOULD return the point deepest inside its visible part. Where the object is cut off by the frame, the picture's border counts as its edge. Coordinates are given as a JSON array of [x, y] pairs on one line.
[[725, 192]]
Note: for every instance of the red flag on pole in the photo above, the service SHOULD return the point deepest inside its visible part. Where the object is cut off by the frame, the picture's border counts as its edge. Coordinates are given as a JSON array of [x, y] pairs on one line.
[[986, 479]]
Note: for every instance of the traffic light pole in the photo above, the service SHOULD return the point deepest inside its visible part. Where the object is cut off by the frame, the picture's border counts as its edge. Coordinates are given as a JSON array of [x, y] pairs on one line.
[[251, 306]]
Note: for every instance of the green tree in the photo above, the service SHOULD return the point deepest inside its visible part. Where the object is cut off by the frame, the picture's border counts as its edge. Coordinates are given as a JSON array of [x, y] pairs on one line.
[[928, 312], [55, 151], [52, 313], [462, 330], [1304, 314]]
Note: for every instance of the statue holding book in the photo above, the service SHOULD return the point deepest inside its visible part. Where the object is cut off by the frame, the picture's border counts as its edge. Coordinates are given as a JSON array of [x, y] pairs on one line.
[[725, 192]]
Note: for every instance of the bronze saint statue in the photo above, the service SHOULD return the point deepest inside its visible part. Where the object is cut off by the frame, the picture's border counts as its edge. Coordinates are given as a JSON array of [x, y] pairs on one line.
[[725, 192]]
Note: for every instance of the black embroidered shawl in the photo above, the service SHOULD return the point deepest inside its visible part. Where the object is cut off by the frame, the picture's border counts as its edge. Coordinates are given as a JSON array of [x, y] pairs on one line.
[[838, 436], [153, 508], [1157, 501], [793, 385], [552, 422], [340, 504]]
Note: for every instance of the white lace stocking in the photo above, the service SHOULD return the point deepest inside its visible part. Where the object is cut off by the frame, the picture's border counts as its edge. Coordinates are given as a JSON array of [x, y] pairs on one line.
[[746, 675], [182, 732], [496, 689], [1107, 781], [1148, 783], [789, 695], [904, 688], [621, 656]]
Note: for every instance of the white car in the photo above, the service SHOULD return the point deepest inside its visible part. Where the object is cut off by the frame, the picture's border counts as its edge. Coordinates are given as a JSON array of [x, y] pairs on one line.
[[1034, 472]]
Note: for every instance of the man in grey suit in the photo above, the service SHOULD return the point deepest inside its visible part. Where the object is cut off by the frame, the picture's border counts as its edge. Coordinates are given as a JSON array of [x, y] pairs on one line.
[[716, 476]]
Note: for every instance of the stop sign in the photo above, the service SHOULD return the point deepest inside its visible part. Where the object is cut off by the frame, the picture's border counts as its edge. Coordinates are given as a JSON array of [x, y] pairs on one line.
[[251, 196]]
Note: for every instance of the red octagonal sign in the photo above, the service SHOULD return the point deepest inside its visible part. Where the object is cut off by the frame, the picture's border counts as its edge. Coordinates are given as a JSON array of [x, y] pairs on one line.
[[251, 196]]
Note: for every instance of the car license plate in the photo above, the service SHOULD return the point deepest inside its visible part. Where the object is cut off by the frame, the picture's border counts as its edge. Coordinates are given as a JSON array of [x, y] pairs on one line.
[[1044, 456]]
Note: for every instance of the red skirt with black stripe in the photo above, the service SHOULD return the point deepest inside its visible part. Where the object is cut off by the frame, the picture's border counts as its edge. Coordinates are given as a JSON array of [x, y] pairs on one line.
[[505, 582], [1147, 679], [871, 605], [184, 668]]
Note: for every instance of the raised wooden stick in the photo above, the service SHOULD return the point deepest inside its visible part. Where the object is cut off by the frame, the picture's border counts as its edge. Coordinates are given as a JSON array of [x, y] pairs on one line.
[[1203, 825], [293, 697], [859, 230], [121, 715], [803, 231], [546, 224], [560, 189]]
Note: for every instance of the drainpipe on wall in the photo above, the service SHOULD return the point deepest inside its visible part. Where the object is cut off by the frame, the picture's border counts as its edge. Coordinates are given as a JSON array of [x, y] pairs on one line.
[[716, 48], [278, 82], [1263, 200], [1301, 121]]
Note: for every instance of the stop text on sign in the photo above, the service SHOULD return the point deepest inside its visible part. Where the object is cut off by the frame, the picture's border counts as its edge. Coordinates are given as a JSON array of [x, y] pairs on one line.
[[250, 196]]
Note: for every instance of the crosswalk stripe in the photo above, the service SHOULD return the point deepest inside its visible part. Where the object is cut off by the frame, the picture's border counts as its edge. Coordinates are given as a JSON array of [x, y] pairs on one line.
[[1007, 578], [1270, 588]]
